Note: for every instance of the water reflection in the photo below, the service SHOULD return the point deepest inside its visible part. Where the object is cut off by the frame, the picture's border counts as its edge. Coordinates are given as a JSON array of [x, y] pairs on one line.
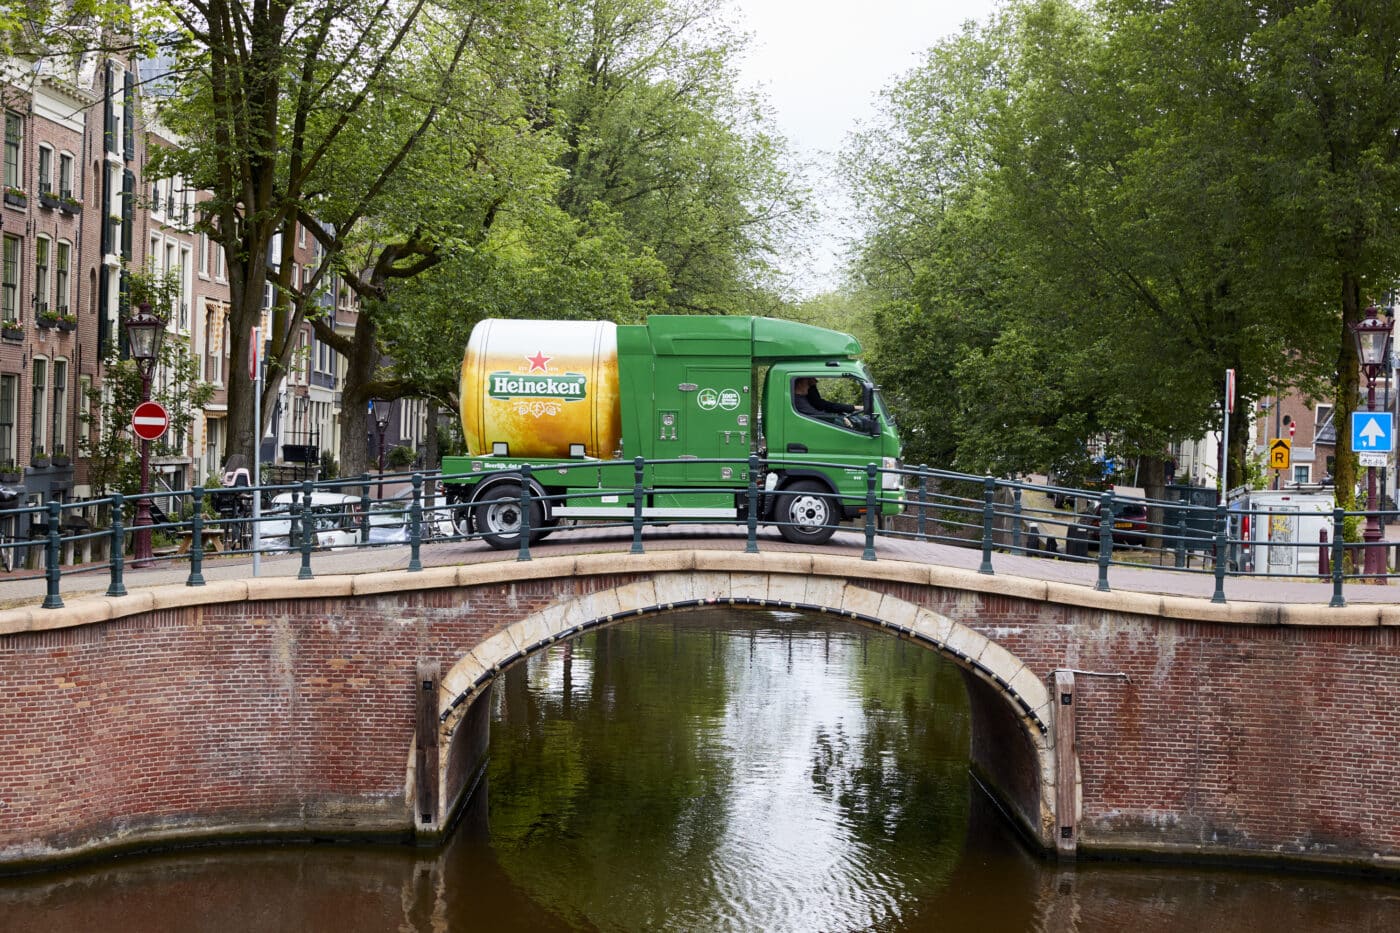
[[724, 770]]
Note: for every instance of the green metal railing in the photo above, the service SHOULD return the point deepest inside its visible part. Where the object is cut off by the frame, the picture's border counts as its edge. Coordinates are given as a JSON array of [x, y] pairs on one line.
[[998, 517]]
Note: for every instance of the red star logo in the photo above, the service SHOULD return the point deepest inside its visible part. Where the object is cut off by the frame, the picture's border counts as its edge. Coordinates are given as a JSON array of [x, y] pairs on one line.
[[539, 361]]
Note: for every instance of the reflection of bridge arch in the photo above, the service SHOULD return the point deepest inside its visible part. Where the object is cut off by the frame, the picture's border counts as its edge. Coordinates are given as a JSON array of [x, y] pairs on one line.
[[1013, 738]]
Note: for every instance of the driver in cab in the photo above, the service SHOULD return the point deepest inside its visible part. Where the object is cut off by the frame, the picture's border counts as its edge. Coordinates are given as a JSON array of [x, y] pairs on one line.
[[808, 401]]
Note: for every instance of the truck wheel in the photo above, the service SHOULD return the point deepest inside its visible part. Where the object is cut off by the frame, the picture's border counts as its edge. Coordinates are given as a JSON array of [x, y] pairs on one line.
[[497, 516], [804, 513]]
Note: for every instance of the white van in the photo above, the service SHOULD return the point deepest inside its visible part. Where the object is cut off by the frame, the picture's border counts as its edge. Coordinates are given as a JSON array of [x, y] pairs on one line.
[[336, 518], [1280, 530]]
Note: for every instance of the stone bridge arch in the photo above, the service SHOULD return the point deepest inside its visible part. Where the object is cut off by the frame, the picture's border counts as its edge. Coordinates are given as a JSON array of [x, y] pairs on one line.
[[1012, 736]]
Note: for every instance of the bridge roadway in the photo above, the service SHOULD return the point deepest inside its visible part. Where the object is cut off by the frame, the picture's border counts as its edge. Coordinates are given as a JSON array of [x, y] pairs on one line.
[[1196, 583], [1263, 728]]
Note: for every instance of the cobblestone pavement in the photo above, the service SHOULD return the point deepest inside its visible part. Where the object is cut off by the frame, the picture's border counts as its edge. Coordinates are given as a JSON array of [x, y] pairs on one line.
[[28, 589]]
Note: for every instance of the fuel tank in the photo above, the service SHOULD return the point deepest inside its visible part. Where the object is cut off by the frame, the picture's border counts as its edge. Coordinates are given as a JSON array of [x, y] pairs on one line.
[[540, 387]]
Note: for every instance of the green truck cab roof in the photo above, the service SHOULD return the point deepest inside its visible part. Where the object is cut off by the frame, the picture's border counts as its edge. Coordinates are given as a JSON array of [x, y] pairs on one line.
[[760, 338]]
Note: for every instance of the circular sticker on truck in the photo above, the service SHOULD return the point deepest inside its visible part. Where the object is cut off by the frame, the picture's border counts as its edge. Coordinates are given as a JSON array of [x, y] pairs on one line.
[[729, 399], [707, 399]]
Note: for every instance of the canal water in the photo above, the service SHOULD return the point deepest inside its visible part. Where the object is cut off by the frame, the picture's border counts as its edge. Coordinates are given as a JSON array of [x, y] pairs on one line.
[[717, 770]]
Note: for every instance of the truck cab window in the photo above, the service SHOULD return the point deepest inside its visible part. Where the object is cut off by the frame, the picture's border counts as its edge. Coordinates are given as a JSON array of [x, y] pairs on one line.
[[835, 400]]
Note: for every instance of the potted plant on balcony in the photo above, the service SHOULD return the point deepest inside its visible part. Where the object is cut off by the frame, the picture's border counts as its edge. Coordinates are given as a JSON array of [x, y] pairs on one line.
[[48, 198], [40, 460], [69, 204], [67, 321], [11, 330], [46, 318], [9, 473], [60, 457], [15, 197]]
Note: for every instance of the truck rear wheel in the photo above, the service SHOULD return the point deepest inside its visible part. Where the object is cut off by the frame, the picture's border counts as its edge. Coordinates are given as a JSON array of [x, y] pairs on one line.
[[805, 513], [497, 516]]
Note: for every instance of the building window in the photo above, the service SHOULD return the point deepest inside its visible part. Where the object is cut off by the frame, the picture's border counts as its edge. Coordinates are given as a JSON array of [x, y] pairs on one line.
[[40, 405], [45, 170], [60, 276], [58, 430], [9, 279], [1302, 474], [204, 255], [1323, 419], [219, 262], [65, 175], [9, 397], [41, 275], [14, 145]]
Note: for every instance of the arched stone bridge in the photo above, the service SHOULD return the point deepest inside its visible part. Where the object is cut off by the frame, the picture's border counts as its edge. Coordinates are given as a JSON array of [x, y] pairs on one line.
[[346, 706]]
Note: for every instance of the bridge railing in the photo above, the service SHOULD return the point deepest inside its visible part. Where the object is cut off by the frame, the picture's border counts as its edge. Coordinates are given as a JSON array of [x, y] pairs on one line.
[[999, 517]]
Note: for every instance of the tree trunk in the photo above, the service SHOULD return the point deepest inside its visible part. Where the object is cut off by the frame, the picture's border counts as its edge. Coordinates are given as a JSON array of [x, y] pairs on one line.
[[1348, 386]]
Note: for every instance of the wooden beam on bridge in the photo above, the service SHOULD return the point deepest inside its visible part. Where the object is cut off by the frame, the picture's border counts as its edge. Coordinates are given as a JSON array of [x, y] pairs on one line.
[[1066, 815], [426, 764]]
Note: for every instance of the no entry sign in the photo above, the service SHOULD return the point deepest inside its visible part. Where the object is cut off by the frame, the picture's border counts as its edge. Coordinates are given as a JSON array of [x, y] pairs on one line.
[[149, 420]]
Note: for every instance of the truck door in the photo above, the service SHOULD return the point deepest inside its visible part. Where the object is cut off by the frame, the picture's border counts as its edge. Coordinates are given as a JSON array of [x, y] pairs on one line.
[[709, 418]]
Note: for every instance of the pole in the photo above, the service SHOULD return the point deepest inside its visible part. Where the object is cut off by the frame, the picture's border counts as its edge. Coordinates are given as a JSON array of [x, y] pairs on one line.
[[257, 449], [141, 555], [1375, 556], [1278, 428]]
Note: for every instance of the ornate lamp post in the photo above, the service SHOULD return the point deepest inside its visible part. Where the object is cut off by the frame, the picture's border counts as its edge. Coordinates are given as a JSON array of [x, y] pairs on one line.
[[381, 420], [144, 332], [1372, 335]]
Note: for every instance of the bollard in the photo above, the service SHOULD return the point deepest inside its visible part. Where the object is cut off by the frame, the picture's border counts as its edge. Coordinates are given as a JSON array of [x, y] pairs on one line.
[[872, 505], [923, 493], [637, 497], [526, 501], [1324, 556], [752, 546], [116, 587], [308, 532], [1105, 540], [415, 524], [1338, 532], [1181, 539], [364, 508], [1221, 543], [989, 491], [196, 577], [1016, 547], [51, 570]]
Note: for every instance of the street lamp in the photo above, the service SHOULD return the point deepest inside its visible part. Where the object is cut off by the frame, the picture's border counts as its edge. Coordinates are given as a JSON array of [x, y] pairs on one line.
[[381, 420], [144, 332], [1372, 336]]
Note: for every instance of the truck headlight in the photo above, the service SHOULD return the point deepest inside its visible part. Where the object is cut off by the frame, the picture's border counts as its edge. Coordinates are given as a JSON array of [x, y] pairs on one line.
[[889, 478]]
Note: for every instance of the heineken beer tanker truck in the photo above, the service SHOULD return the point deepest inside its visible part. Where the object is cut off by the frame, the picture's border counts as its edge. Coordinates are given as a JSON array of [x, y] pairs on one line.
[[695, 396]]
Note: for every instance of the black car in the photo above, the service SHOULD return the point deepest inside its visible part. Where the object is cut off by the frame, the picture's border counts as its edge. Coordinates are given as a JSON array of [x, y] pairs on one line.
[[1129, 526]]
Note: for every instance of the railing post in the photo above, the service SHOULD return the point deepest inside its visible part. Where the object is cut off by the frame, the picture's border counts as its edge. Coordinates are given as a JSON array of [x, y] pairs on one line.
[[308, 532], [923, 497], [51, 570], [1338, 556], [989, 492], [118, 546], [415, 524], [1016, 547], [1221, 546], [196, 577], [1181, 537], [364, 508], [872, 505], [1105, 540], [752, 546], [526, 501], [638, 466]]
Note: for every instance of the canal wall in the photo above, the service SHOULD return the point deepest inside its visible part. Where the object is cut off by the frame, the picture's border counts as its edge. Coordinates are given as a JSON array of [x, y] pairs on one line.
[[272, 708]]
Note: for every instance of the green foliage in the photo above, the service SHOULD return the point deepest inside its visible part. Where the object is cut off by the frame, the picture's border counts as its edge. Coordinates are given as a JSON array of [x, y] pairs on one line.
[[114, 457], [400, 456]]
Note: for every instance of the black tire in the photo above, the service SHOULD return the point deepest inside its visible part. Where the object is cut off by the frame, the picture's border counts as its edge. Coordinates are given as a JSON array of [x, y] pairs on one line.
[[806, 513], [497, 516]]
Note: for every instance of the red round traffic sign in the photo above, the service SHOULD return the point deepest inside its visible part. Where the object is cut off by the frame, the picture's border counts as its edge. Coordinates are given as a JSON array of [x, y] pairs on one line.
[[149, 420]]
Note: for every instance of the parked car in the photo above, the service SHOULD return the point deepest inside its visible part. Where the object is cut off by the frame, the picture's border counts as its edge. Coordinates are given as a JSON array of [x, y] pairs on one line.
[[336, 519], [1129, 522]]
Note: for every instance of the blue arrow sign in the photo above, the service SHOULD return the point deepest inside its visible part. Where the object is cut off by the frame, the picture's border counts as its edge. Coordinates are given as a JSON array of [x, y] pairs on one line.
[[1372, 432]]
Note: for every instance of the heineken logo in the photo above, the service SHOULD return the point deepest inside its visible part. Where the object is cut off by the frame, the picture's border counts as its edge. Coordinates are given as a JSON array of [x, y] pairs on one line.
[[569, 387]]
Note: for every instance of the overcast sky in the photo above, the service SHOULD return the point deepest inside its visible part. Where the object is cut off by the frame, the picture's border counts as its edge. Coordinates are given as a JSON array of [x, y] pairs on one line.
[[822, 65]]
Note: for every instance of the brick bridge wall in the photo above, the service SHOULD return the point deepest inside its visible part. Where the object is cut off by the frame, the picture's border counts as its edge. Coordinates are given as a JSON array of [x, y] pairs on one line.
[[269, 707]]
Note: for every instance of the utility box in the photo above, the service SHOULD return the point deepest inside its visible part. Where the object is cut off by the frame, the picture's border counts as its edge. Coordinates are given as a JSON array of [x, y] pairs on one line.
[[1280, 531]]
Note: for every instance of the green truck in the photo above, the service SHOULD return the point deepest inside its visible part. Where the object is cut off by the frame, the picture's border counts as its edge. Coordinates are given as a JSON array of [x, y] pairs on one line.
[[696, 397]]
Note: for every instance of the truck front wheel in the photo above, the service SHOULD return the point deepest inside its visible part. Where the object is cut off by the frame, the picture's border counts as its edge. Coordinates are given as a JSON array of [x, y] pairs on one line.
[[805, 513], [497, 516]]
